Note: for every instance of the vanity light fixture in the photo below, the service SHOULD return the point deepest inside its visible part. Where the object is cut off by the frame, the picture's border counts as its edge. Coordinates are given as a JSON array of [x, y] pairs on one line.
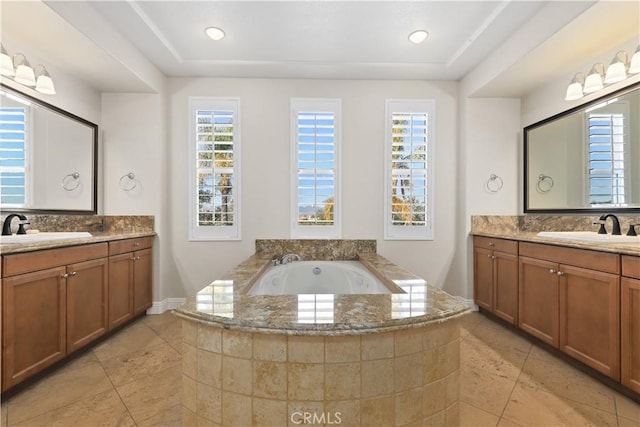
[[634, 65], [594, 82], [617, 70], [574, 90], [6, 63], [215, 33], [19, 69], [44, 84], [418, 36], [24, 72]]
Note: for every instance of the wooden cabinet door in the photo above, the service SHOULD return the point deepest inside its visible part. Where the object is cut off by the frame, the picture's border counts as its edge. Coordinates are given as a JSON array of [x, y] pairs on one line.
[[483, 278], [142, 281], [33, 323], [87, 296], [538, 299], [590, 318], [505, 295], [630, 333], [120, 289]]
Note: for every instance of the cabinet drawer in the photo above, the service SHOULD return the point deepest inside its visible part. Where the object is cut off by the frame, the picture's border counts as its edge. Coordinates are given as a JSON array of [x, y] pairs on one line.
[[593, 260], [501, 245], [129, 245], [40, 260], [631, 266]]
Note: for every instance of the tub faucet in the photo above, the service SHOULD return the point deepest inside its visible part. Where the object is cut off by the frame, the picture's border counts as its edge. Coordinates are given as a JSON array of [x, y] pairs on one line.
[[290, 257], [616, 224], [6, 226]]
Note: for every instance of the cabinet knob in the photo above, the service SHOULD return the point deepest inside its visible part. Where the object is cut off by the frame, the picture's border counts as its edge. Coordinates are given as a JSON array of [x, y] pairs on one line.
[[493, 257], [552, 271], [73, 273], [492, 244], [560, 273], [136, 244], [488, 256], [64, 276]]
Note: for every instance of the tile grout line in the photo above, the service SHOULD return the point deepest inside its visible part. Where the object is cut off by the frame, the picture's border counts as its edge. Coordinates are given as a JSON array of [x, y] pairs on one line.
[[115, 389], [515, 383]]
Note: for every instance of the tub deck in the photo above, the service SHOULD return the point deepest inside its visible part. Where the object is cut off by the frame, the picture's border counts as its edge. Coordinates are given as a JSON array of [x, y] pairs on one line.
[[224, 302]]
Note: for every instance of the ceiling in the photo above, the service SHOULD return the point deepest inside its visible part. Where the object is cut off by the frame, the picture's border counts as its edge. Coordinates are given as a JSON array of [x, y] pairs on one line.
[[302, 39]]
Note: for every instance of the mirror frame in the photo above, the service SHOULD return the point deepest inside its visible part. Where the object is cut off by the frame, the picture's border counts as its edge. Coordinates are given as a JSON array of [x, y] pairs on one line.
[[94, 188], [527, 129]]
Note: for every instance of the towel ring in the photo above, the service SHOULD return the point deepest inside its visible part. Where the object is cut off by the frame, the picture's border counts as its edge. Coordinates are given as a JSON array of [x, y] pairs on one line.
[[494, 183], [544, 184], [128, 185], [68, 181]]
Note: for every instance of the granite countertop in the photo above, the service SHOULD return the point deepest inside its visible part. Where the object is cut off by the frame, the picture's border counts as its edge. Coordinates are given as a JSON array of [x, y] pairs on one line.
[[224, 302], [96, 237], [530, 236]]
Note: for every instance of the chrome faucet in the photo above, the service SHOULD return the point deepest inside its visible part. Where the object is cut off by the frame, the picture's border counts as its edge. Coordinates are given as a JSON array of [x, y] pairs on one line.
[[290, 257], [616, 224], [6, 226]]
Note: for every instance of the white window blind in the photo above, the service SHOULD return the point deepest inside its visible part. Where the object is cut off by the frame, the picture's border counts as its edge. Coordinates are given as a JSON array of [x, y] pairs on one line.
[[13, 156], [214, 165], [608, 157], [315, 165], [408, 177]]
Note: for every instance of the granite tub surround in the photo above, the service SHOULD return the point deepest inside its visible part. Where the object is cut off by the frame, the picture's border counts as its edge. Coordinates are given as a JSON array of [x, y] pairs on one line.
[[352, 360]]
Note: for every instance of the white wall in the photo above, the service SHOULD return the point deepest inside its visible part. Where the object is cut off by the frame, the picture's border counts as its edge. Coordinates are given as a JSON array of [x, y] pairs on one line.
[[266, 172], [134, 137]]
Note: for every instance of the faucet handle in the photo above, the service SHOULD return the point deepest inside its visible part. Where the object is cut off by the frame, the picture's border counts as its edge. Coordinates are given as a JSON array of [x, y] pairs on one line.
[[602, 229], [632, 230], [21, 225]]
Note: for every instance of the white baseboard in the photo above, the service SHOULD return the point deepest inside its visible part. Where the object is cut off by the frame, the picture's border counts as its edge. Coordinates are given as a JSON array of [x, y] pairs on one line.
[[160, 307]]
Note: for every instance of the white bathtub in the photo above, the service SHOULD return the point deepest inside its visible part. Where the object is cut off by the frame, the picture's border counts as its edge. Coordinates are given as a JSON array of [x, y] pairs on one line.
[[318, 277]]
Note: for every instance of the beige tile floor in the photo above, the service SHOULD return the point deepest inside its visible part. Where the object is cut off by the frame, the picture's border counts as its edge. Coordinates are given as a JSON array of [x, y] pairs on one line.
[[134, 379]]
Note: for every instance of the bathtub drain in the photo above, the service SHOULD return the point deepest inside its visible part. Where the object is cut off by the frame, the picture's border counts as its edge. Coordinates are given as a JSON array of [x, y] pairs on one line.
[[316, 270]]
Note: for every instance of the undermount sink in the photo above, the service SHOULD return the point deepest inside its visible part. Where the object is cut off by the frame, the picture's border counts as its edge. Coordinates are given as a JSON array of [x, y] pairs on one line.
[[43, 237], [590, 236]]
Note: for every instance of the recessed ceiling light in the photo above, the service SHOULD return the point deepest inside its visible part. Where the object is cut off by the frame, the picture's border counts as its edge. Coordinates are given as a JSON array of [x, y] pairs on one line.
[[418, 36], [215, 33]]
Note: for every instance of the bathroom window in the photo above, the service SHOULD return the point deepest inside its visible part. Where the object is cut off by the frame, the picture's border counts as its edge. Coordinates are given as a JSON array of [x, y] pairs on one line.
[[409, 171], [13, 156], [608, 156], [315, 162], [214, 198]]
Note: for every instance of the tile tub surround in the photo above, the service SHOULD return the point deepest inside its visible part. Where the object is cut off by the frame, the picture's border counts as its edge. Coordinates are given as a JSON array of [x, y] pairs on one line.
[[366, 359], [397, 378]]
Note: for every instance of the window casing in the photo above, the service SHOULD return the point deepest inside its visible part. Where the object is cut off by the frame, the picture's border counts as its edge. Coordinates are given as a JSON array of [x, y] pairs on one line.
[[214, 168], [14, 138], [315, 166], [409, 185]]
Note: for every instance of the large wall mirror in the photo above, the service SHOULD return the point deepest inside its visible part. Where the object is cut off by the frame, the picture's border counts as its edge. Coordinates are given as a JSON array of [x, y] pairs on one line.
[[48, 157], [586, 159]]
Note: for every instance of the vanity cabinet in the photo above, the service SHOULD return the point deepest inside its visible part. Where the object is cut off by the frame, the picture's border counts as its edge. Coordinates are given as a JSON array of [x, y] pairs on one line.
[[495, 285], [53, 302], [630, 322], [130, 279], [570, 299]]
